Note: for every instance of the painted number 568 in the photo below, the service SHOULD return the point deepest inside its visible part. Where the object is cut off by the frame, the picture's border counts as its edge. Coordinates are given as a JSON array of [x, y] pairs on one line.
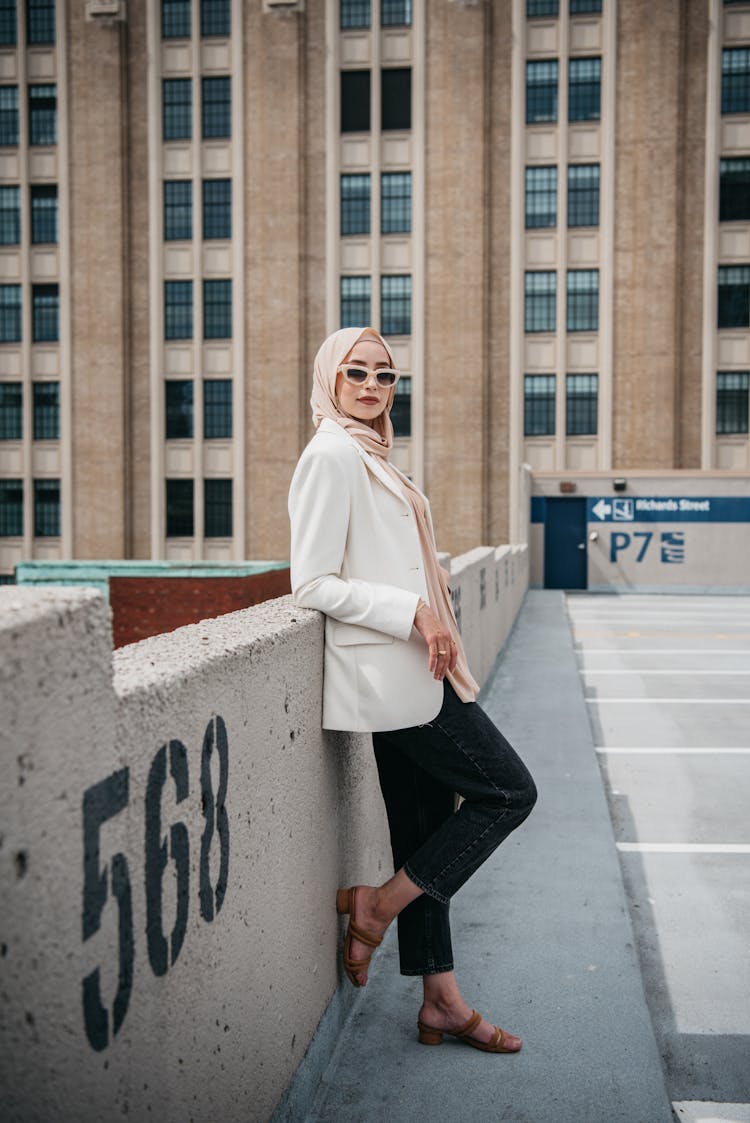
[[105, 800]]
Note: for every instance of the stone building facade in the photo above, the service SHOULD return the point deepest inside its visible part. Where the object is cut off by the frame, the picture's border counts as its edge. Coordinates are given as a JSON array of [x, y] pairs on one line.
[[544, 204]]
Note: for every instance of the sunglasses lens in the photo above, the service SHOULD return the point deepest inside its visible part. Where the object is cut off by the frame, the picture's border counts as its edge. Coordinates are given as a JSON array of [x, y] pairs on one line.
[[386, 377], [356, 375]]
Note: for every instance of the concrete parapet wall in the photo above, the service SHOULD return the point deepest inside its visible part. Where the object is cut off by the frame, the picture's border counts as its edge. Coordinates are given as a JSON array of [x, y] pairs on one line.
[[174, 826]]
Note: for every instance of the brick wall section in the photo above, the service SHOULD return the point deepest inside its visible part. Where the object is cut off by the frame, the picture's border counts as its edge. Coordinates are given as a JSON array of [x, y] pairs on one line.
[[455, 205], [646, 236], [690, 198], [274, 164], [497, 370], [96, 116], [137, 308], [149, 606]]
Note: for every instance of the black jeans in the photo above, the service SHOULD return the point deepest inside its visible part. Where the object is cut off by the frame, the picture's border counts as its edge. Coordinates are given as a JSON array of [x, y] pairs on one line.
[[420, 770]]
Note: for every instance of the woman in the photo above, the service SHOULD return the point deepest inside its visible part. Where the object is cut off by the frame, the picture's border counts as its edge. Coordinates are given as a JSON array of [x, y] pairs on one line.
[[363, 552]]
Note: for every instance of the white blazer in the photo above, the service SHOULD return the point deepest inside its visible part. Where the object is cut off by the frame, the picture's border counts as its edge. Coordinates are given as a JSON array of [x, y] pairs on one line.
[[355, 556]]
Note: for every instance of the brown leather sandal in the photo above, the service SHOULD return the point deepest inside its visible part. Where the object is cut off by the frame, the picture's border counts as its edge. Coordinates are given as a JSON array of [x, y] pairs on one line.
[[345, 899], [428, 1035]]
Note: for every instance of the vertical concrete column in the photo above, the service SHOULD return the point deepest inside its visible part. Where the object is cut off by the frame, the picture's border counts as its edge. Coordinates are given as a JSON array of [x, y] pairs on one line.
[[98, 295], [456, 216], [646, 235], [56, 730]]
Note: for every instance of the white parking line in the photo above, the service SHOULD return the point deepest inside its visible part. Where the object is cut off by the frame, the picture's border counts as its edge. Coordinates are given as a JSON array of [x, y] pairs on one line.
[[670, 749], [660, 671], [701, 1111], [672, 701], [685, 847]]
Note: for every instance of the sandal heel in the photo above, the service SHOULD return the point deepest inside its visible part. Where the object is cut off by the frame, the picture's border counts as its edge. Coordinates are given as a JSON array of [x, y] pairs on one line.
[[342, 902], [430, 1036]]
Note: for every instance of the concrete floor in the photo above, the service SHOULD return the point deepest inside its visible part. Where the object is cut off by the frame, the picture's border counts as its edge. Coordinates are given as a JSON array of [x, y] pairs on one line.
[[543, 939], [667, 684]]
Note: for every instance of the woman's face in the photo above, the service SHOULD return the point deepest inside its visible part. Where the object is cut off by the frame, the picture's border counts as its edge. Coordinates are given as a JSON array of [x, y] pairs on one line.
[[365, 402]]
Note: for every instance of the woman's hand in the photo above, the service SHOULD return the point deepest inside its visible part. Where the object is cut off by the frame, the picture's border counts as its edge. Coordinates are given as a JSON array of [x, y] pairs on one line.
[[443, 653]]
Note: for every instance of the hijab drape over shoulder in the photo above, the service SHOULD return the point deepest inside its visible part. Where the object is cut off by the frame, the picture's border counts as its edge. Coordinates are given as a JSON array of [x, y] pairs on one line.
[[377, 439]]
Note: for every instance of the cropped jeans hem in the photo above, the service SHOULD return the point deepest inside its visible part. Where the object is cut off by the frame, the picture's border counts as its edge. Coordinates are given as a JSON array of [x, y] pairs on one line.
[[430, 969], [424, 886]]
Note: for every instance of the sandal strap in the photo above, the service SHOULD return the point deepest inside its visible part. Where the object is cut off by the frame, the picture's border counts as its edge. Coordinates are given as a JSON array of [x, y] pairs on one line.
[[498, 1038], [364, 936], [473, 1022]]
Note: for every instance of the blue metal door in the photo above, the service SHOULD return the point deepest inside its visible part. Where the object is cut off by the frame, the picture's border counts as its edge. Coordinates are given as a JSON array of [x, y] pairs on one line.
[[565, 544]]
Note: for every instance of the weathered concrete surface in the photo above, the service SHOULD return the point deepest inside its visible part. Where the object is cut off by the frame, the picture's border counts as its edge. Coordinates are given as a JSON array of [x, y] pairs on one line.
[[542, 938], [174, 826]]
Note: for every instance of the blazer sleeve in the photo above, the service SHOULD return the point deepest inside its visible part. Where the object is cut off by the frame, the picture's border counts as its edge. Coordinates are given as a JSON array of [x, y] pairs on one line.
[[319, 506]]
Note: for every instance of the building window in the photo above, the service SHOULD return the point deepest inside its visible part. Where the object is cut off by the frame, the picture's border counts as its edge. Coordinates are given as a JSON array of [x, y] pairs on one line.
[[395, 13], [355, 204], [542, 8], [216, 17], [577, 7], [175, 19], [10, 216], [395, 99], [734, 189], [40, 21], [43, 115], [178, 309], [46, 411], [11, 411], [217, 208], [178, 416], [395, 203], [216, 107], [584, 89], [11, 508], [177, 108], [46, 508], [10, 313], [8, 116], [217, 309], [180, 522], [354, 13], [217, 508], [731, 401], [401, 408], [395, 305], [44, 214], [539, 405], [355, 302], [541, 197], [217, 408], [734, 296], [735, 80], [583, 195], [583, 300], [582, 392], [355, 101], [8, 33], [45, 313], [541, 92], [178, 210], [540, 298]]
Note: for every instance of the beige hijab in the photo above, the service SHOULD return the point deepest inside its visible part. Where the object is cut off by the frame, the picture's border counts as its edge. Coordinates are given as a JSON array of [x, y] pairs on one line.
[[377, 439]]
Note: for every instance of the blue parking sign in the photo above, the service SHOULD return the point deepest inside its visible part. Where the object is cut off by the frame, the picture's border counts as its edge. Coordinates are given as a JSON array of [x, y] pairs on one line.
[[673, 546]]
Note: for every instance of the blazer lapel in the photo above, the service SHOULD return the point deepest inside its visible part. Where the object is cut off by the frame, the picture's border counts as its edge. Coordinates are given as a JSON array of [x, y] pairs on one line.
[[372, 463]]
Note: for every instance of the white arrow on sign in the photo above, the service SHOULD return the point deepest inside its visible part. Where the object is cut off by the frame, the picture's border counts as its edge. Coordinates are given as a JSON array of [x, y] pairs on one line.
[[602, 509]]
